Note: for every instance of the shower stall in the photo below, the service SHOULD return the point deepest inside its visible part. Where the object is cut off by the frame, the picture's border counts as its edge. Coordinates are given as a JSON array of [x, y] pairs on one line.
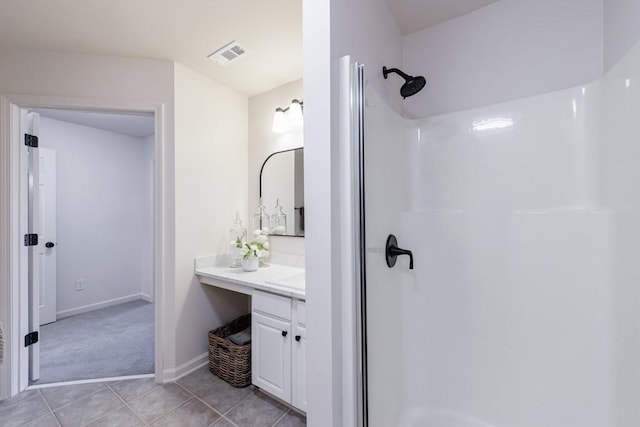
[[523, 219]]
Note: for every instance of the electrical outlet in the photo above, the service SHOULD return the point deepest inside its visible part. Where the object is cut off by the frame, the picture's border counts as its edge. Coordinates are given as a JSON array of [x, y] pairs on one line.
[[80, 285]]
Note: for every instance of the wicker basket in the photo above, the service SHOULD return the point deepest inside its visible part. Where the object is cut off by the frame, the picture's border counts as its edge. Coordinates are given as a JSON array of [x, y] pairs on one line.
[[227, 360]]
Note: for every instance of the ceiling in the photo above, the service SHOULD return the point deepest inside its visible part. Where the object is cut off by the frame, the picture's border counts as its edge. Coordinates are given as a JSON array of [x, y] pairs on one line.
[[138, 125], [184, 31], [416, 15], [187, 31]]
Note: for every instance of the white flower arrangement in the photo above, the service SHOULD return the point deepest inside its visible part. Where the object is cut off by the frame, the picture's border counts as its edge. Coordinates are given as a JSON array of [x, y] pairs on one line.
[[259, 247]]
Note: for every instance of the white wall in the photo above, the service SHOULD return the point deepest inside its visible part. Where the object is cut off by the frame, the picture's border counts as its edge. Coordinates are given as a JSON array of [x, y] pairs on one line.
[[621, 29], [102, 217], [114, 80], [263, 142], [213, 120], [508, 50], [211, 186], [333, 28], [620, 158]]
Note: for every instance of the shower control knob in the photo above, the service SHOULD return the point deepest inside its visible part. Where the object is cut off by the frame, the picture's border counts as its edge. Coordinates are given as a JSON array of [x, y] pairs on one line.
[[393, 251]]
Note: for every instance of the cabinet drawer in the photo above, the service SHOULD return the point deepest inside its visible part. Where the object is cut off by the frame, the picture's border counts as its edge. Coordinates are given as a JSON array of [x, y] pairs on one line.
[[274, 305], [301, 312]]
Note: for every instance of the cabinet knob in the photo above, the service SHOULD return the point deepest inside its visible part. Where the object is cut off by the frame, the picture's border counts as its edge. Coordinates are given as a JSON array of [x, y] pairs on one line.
[[284, 333], [298, 337]]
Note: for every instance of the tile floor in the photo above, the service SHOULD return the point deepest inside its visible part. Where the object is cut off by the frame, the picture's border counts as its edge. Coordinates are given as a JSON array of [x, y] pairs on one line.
[[199, 399]]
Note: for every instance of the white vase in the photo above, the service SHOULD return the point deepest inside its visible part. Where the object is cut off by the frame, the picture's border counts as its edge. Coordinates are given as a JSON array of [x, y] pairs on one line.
[[250, 264]]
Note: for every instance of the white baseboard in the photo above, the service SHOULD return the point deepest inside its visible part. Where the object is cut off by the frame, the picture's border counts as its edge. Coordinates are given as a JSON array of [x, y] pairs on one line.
[[90, 307], [146, 297], [174, 374]]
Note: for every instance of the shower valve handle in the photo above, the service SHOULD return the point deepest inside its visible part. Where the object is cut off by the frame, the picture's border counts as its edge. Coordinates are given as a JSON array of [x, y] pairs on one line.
[[393, 251]]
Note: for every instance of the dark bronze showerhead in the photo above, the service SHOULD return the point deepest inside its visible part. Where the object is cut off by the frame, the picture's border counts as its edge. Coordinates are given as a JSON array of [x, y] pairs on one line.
[[411, 86]]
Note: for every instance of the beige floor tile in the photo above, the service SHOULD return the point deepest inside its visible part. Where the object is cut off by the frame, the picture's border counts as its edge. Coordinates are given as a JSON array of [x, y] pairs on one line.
[[88, 409], [199, 381], [193, 413], [46, 421], [159, 401], [223, 422], [18, 398], [292, 419], [58, 397], [131, 389], [23, 412], [257, 410], [222, 397], [123, 417]]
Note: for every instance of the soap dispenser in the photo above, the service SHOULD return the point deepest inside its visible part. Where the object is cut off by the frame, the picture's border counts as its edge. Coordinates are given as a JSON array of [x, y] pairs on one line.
[[261, 219], [237, 236], [279, 220]]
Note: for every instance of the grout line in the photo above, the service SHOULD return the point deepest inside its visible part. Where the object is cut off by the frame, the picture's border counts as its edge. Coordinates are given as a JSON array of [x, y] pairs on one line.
[[222, 414], [170, 410], [229, 421], [281, 417], [135, 414], [239, 402], [201, 401], [103, 415], [84, 396], [53, 414]]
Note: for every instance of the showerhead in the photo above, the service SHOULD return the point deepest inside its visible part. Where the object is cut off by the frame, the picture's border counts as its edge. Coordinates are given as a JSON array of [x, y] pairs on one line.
[[411, 86]]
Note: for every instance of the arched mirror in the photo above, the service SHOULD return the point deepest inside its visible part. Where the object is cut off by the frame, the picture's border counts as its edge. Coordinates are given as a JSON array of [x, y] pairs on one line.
[[282, 182]]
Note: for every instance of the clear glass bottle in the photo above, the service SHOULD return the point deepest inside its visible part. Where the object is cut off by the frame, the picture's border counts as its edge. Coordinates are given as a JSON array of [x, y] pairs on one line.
[[261, 220], [237, 235], [279, 220]]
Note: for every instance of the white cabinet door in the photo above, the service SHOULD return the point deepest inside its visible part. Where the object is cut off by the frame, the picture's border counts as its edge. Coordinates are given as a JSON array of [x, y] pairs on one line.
[[271, 359]]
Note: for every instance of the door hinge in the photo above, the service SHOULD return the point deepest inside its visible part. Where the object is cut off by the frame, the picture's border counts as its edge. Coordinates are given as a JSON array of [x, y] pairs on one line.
[[30, 338], [30, 140], [30, 239]]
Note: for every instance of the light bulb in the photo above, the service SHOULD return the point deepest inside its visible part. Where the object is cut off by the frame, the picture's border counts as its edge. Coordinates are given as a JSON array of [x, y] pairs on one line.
[[279, 121], [295, 114]]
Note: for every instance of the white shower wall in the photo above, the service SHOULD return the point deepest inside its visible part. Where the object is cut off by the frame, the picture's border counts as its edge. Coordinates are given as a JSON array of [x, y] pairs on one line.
[[620, 153], [523, 309]]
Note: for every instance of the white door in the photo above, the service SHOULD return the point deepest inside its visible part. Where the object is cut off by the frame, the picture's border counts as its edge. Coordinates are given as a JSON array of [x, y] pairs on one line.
[[31, 122], [271, 360], [47, 235]]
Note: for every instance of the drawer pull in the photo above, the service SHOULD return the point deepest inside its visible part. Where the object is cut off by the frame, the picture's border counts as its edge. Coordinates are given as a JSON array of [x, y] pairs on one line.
[[298, 338], [284, 333]]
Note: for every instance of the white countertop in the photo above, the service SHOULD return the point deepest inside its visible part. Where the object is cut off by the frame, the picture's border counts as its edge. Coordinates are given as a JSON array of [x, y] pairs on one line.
[[275, 278]]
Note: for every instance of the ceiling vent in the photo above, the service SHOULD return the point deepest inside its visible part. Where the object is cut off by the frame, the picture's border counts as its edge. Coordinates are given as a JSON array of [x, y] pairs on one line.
[[230, 52]]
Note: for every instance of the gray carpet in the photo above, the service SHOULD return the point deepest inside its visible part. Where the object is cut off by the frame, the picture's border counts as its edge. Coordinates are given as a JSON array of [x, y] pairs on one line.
[[109, 342]]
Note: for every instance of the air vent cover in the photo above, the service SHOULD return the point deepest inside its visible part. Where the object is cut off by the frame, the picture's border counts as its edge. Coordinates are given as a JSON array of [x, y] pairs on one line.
[[230, 52]]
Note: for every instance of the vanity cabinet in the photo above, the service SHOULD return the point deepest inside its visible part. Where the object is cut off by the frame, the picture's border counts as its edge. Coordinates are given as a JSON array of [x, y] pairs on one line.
[[278, 347]]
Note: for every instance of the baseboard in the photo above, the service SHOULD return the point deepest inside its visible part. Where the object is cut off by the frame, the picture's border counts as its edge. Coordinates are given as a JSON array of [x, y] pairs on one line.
[[103, 304], [146, 297], [174, 374]]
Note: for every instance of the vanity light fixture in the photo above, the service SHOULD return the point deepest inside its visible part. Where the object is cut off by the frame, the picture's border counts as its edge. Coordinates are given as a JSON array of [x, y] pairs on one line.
[[288, 118]]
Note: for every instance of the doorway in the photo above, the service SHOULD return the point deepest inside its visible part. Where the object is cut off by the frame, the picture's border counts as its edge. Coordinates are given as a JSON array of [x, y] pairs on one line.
[[14, 372], [101, 286]]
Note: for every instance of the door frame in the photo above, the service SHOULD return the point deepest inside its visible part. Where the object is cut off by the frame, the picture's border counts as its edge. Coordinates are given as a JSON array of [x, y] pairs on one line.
[[14, 257]]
